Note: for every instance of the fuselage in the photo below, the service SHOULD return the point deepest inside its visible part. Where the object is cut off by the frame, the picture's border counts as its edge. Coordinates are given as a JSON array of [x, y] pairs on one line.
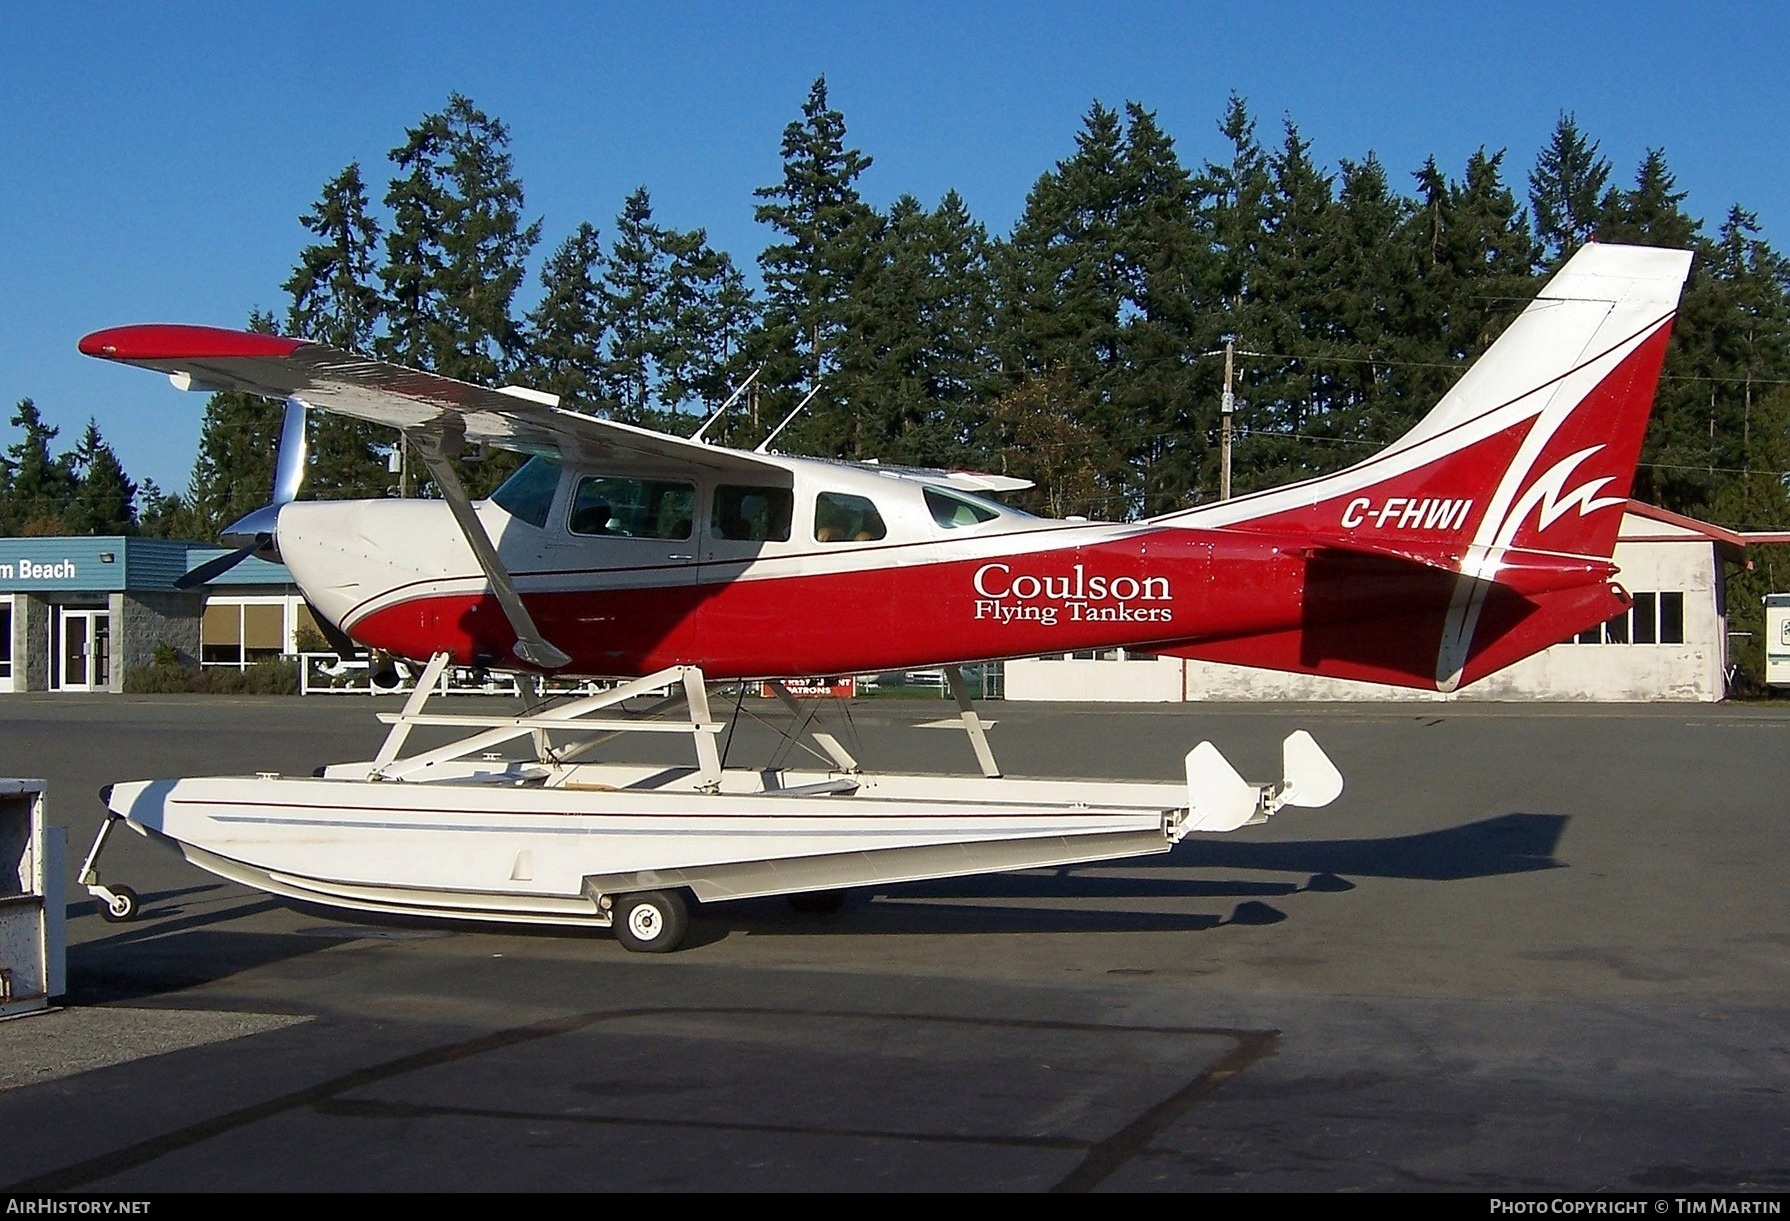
[[834, 569]]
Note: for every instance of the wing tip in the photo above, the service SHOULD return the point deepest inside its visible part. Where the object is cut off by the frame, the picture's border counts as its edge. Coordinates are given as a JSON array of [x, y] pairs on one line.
[[172, 341]]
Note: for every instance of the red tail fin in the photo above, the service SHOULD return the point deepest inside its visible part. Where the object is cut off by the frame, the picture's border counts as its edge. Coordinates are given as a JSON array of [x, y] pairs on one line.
[[1514, 484]]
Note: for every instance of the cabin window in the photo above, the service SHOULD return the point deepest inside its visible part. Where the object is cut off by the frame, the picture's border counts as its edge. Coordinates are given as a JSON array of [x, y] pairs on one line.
[[528, 494], [752, 514], [633, 508], [839, 518], [952, 512]]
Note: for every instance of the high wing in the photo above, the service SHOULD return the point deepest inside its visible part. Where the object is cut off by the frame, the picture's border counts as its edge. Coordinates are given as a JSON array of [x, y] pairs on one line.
[[421, 404], [438, 416]]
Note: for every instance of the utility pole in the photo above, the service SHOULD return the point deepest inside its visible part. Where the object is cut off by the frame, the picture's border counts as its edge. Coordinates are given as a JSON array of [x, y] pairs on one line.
[[1226, 406]]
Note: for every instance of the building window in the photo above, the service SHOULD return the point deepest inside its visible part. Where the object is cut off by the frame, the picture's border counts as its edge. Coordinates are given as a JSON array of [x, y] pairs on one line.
[[1671, 618], [236, 633], [1616, 629], [1655, 618]]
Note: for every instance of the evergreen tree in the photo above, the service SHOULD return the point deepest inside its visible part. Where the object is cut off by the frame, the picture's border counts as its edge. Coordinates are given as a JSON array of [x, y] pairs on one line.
[[1234, 215], [636, 277], [1062, 287], [1368, 286], [808, 277], [457, 247], [1162, 400], [455, 256], [165, 515], [1650, 214], [1294, 314], [335, 301], [104, 500], [1675, 461], [333, 296], [916, 356], [38, 487], [1472, 265], [708, 315], [1566, 192], [566, 328]]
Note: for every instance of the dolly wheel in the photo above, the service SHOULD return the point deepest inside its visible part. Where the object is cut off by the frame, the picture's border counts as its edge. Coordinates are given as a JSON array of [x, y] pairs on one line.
[[651, 921], [121, 907]]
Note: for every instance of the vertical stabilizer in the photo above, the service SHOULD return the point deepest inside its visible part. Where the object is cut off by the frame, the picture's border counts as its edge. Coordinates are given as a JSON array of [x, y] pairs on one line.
[[1515, 483]]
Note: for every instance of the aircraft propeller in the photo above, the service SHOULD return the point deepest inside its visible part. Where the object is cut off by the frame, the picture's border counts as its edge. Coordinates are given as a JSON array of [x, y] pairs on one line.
[[254, 533]]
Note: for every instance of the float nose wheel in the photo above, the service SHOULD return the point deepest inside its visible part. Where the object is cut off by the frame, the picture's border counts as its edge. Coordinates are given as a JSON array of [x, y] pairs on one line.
[[651, 921], [117, 904]]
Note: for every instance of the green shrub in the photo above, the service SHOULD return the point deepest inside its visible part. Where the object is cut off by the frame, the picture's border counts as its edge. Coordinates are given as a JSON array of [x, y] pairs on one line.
[[260, 678]]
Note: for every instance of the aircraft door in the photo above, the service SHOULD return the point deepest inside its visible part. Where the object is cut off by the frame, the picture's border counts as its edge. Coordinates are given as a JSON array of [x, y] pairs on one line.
[[634, 541]]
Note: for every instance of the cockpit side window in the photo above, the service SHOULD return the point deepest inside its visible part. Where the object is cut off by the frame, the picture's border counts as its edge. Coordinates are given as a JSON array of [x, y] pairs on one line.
[[752, 514], [528, 494], [952, 512], [633, 508], [842, 518]]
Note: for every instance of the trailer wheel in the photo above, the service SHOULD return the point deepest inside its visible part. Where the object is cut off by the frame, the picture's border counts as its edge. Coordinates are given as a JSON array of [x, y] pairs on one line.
[[651, 921], [818, 902], [122, 907]]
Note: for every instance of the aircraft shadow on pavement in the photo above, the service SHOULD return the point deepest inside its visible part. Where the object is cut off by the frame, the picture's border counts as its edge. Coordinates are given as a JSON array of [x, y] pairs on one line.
[[171, 946], [1505, 844], [1491, 847]]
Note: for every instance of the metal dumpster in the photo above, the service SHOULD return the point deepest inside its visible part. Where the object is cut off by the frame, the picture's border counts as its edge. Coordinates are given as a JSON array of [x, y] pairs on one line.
[[33, 937]]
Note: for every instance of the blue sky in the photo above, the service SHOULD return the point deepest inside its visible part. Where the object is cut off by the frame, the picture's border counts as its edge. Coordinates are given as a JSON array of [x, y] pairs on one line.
[[156, 158]]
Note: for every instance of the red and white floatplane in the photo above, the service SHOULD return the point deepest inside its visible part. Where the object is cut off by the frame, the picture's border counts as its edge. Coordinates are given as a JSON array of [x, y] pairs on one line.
[[669, 564]]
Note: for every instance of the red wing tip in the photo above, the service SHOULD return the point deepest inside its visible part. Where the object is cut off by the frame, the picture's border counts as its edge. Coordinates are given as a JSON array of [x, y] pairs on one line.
[[165, 341]]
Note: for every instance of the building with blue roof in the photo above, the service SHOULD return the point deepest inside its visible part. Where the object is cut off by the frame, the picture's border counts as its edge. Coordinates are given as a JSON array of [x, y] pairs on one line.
[[77, 613]]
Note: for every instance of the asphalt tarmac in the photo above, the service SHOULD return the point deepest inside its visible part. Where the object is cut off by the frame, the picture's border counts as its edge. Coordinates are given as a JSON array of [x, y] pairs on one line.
[[1531, 948]]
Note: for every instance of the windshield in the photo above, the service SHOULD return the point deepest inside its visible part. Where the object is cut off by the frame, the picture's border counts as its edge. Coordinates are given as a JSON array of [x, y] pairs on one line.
[[528, 494]]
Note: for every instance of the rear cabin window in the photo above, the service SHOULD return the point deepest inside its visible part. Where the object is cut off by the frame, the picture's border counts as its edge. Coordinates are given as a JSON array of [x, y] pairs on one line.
[[528, 494], [840, 518], [952, 512], [752, 514], [633, 508]]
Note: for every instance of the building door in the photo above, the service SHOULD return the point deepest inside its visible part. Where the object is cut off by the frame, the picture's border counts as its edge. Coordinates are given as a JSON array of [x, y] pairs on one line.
[[86, 651], [5, 645]]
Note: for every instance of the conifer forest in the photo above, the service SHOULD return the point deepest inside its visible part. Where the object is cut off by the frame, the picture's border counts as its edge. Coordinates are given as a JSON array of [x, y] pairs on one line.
[[1083, 350]]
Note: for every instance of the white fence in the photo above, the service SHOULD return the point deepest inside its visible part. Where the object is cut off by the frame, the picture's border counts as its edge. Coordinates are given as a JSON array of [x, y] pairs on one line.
[[328, 674]]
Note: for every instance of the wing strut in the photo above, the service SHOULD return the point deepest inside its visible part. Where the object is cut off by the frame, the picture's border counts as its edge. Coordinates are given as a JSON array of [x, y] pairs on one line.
[[437, 448]]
